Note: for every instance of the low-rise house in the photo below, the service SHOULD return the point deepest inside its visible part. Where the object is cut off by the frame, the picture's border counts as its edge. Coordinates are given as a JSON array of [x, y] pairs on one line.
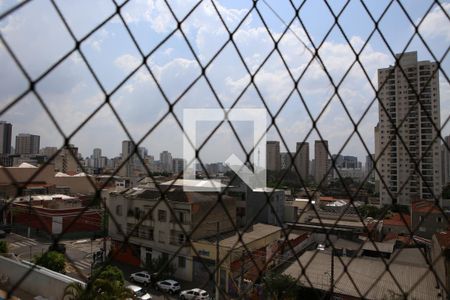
[[440, 255], [248, 255], [163, 222], [363, 277], [397, 223], [427, 219], [54, 214]]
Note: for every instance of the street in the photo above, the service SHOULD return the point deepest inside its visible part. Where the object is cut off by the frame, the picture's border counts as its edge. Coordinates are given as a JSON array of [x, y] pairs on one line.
[[79, 259]]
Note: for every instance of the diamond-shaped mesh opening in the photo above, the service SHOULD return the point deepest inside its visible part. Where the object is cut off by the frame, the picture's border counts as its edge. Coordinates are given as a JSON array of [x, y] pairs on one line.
[[340, 82]]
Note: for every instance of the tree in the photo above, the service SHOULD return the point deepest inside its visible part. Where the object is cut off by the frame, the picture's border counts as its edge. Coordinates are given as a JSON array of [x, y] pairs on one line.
[[51, 260], [161, 266], [3, 247], [281, 286], [100, 289], [110, 273], [106, 284]]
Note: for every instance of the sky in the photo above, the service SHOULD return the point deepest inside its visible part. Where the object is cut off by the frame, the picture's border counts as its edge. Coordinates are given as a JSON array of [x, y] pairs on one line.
[[37, 36]]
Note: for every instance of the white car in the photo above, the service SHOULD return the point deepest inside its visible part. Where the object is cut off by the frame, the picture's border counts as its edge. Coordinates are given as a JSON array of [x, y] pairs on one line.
[[196, 294], [139, 293], [169, 286], [141, 277]]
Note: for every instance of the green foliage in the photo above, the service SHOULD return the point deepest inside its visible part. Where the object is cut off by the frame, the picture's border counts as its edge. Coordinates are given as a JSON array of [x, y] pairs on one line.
[[109, 273], [373, 211], [107, 284], [100, 289], [51, 260], [281, 286], [3, 247], [161, 267]]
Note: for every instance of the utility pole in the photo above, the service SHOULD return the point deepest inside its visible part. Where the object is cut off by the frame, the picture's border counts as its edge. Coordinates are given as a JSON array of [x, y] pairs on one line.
[[29, 215], [241, 282], [217, 259], [332, 273]]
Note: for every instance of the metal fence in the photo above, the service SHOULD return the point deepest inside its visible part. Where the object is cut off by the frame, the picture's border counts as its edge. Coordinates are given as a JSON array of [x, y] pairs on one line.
[[291, 24]]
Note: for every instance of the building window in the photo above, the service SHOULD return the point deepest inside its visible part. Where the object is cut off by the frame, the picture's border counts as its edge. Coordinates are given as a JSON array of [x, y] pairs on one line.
[[420, 218], [181, 217], [165, 256], [119, 210], [439, 219], [161, 236], [181, 239], [162, 215], [181, 262], [137, 212]]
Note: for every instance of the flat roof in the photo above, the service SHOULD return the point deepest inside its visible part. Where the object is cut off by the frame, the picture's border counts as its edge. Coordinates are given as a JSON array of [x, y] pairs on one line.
[[332, 222], [44, 197], [258, 231], [386, 247], [203, 183], [368, 276]]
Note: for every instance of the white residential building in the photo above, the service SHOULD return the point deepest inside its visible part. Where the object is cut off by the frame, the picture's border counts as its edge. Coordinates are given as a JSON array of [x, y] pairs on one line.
[[410, 166]]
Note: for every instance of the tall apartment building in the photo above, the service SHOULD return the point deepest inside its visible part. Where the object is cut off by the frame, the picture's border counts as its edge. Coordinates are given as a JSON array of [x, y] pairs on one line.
[[27, 143], [273, 159], [302, 159], [67, 160], [321, 161], [166, 160], [409, 91], [128, 167], [48, 151], [286, 160], [178, 165], [5, 137], [369, 170], [445, 155]]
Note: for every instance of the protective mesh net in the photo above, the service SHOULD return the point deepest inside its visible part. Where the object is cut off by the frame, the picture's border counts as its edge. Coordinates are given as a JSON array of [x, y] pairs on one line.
[[288, 32]]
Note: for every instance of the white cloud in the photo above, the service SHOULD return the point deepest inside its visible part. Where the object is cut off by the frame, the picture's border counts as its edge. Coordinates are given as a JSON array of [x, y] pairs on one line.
[[436, 23], [127, 62]]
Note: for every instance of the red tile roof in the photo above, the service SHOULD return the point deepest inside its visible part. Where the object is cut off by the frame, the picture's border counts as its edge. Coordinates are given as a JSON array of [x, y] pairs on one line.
[[443, 239], [396, 220], [424, 206]]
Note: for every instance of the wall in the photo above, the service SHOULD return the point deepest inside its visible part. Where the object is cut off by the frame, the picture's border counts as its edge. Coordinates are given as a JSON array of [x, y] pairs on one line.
[[440, 266], [256, 200], [77, 184], [40, 281], [433, 222], [42, 219]]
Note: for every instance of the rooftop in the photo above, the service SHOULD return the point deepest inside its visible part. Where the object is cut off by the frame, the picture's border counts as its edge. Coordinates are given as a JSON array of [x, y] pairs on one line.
[[194, 183], [369, 276], [396, 220], [256, 232], [443, 239], [44, 197], [424, 206]]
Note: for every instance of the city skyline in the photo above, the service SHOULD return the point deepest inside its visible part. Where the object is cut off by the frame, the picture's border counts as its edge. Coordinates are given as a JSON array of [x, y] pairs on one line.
[[71, 88]]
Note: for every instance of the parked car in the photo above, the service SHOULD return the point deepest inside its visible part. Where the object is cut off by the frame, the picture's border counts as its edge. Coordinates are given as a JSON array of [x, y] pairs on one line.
[[196, 294], [141, 277], [168, 286], [139, 293], [6, 228], [60, 247], [321, 247], [2, 234]]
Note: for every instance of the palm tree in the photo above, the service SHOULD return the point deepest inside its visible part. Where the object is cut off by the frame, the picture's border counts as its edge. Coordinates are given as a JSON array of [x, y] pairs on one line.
[[75, 291], [100, 289]]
